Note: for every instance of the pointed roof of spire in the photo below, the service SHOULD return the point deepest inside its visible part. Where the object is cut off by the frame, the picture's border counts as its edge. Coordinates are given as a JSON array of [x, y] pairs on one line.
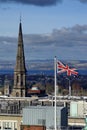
[[20, 29], [20, 59]]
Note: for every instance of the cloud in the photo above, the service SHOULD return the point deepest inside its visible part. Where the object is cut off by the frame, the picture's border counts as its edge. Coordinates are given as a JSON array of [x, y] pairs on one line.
[[76, 35], [6, 39], [67, 43], [83, 1], [34, 2], [38, 2]]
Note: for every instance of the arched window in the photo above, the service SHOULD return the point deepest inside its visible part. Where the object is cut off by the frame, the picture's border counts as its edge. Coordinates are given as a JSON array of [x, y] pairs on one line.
[[22, 93], [22, 80], [17, 94], [17, 79]]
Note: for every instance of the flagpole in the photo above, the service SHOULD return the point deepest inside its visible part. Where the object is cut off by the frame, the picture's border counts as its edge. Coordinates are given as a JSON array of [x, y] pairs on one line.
[[55, 81]]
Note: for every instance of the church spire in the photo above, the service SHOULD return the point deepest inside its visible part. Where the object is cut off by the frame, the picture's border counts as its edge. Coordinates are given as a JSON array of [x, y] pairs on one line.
[[19, 89], [20, 59]]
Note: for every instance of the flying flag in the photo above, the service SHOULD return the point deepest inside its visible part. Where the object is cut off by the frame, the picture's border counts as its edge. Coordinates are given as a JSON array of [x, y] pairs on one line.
[[61, 68]]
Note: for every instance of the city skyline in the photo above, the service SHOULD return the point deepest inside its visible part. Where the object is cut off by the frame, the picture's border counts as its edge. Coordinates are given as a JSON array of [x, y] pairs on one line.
[[50, 28]]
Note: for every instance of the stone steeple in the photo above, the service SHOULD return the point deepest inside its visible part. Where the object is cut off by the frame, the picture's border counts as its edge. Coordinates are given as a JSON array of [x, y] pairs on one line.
[[19, 89], [20, 59]]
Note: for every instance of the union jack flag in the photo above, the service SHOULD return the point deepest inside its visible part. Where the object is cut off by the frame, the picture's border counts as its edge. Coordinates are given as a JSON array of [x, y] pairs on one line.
[[65, 68]]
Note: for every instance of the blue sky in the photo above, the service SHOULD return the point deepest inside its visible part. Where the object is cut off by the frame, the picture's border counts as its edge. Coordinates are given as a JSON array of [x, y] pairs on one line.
[[57, 28]]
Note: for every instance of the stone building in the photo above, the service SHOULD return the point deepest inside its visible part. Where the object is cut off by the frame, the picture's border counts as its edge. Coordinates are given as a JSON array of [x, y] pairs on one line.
[[6, 87], [44, 116]]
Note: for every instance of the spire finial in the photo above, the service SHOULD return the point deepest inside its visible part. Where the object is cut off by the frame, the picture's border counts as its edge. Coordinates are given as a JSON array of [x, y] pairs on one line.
[[20, 17]]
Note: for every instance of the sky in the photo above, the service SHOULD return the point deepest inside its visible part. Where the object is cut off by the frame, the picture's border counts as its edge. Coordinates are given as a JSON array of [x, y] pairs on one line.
[[50, 28]]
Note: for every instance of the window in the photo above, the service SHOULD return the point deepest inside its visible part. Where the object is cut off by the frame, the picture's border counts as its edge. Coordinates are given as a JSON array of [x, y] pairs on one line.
[[41, 122], [17, 79], [22, 80], [17, 94]]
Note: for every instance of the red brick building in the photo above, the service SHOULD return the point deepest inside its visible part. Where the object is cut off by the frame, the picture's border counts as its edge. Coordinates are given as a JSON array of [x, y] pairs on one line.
[[35, 91], [32, 127]]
